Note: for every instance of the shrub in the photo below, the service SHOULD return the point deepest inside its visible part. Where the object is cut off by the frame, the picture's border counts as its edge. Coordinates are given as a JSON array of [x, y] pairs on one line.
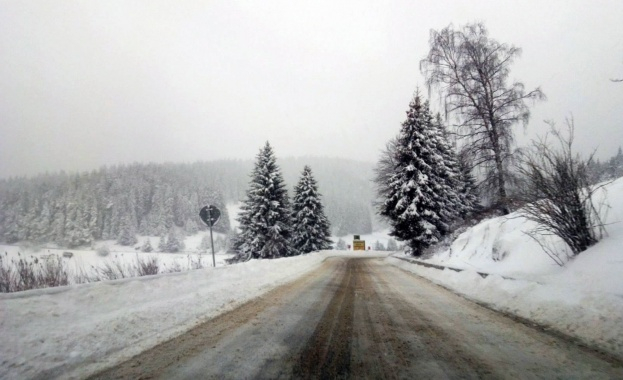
[[53, 272], [195, 263], [340, 245], [112, 270], [103, 250], [147, 246], [7, 276], [173, 268], [25, 274], [558, 194], [146, 266]]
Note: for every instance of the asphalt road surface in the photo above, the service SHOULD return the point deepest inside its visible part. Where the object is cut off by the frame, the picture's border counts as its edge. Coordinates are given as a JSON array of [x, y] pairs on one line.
[[356, 318]]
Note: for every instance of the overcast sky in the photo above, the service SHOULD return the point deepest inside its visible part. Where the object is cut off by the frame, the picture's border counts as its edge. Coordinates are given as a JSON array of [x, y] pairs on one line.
[[91, 83]]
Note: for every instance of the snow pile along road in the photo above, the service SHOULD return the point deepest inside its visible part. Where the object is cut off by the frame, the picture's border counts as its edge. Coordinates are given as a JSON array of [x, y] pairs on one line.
[[76, 330], [584, 299]]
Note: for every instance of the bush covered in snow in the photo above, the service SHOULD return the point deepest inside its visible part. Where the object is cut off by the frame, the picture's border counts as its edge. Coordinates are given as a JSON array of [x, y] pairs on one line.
[[103, 250]]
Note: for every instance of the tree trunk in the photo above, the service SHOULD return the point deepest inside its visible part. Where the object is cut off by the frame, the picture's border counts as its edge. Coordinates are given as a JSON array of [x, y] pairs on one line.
[[499, 166]]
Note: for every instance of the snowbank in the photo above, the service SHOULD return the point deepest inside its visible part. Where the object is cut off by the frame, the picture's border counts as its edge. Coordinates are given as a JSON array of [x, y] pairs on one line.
[[54, 331], [584, 299]]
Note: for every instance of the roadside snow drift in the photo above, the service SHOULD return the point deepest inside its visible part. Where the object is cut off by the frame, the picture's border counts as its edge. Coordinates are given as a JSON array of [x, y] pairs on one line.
[[584, 299], [75, 330]]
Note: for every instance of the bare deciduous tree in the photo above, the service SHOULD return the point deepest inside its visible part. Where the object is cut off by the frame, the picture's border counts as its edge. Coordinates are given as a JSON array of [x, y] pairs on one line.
[[470, 71], [558, 194]]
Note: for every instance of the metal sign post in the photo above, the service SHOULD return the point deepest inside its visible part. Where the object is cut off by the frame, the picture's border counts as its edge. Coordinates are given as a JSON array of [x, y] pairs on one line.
[[210, 216]]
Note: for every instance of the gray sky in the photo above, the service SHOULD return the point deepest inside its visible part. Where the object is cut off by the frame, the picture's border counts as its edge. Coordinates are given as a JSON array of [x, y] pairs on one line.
[[89, 83]]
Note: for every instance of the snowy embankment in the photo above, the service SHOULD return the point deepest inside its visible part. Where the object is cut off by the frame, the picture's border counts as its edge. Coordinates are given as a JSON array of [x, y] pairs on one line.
[[584, 299], [76, 330]]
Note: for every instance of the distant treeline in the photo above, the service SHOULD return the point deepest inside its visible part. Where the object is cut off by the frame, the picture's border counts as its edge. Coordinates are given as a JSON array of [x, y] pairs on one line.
[[609, 169], [151, 199]]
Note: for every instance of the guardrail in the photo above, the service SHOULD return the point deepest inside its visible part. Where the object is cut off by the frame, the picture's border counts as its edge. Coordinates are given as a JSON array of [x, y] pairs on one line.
[[441, 267]]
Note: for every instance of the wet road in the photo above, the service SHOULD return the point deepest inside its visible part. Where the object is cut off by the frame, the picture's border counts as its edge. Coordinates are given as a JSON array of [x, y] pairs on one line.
[[362, 318]]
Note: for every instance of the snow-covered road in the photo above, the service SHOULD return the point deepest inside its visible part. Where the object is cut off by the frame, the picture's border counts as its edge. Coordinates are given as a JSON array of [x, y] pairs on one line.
[[364, 318]]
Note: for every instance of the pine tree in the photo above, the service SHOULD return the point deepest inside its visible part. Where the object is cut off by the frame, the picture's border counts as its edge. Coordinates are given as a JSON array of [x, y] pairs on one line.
[[191, 227], [233, 241], [76, 227], [340, 245], [468, 191], [174, 243], [205, 243], [162, 244], [418, 203], [147, 246], [446, 167], [391, 245], [127, 232], [265, 214], [43, 224], [311, 229], [220, 244]]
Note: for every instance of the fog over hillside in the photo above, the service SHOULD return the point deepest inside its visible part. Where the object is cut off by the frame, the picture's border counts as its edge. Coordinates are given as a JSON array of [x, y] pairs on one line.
[[154, 199]]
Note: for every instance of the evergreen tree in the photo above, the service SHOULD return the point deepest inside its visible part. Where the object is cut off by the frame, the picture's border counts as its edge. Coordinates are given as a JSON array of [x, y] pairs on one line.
[[378, 246], [418, 203], [127, 232], [391, 245], [191, 227], [147, 246], [205, 243], [311, 230], [446, 167], [340, 245], [468, 191], [220, 244], [76, 227], [162, 244], [265, 214], [233, 241], [174, 243]]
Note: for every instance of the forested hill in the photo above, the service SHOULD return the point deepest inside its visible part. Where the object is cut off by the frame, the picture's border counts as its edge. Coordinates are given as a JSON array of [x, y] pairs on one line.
[[152, 199]]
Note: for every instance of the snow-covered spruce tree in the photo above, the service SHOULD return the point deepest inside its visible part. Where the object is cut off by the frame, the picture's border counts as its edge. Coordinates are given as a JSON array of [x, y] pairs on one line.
[[175, 242], [445, 165], [233, 241], [162, 244], [419, 204], [127, 232], [391, 245], [311, 230], [468, 191], [146, 247], [265, 224]]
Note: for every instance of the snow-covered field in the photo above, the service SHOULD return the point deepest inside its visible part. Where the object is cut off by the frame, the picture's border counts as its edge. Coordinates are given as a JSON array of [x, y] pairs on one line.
[[87, 261], [584, 299]]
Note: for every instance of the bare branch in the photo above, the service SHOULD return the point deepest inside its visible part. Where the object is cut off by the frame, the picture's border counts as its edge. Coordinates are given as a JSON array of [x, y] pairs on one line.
[[558, 194]]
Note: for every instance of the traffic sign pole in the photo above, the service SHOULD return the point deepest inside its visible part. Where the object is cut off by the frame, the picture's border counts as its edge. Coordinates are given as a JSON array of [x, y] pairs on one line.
[[206, 214], [211, 239]]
